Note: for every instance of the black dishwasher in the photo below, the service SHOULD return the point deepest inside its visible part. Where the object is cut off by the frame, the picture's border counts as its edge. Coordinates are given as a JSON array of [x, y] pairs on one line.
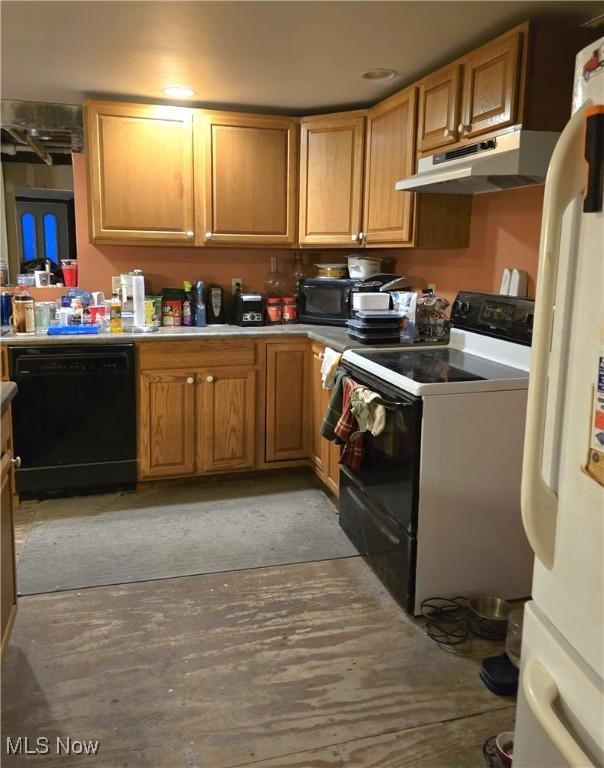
[[74, 419]]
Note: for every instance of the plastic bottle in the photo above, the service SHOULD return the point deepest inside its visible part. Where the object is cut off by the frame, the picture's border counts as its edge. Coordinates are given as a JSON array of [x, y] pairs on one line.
[[200, 305], [115, 314], [188, 307]]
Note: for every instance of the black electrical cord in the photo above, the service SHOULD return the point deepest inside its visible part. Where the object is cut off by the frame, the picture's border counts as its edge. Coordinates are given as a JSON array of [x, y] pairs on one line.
[[449, 622]]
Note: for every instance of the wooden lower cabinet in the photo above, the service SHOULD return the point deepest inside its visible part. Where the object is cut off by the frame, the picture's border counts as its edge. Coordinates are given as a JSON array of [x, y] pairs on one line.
[[192, 422], [324, 456], [166, 424], [226, 427], [8, 581], [287, 411]]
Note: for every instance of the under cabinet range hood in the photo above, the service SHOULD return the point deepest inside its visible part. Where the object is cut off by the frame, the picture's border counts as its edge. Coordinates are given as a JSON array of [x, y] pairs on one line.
[[516, 158]]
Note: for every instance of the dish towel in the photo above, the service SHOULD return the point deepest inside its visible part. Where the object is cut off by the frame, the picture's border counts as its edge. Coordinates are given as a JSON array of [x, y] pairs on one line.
[[331, 360], [334, 409], [347, 429], [371, 416]]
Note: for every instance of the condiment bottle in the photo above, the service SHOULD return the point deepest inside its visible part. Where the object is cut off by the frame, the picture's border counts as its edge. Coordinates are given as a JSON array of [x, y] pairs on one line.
[[115, 314]]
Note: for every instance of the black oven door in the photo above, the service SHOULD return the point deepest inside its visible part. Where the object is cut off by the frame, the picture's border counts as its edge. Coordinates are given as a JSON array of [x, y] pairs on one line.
[[325, 301], [378, 502]]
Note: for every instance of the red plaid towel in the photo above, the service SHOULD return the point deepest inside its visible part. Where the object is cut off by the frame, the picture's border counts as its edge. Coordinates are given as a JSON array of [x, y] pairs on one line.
[[352, 455]]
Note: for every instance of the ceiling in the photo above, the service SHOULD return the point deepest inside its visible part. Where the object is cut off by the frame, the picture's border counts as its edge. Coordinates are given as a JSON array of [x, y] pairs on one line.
[[294, 56]]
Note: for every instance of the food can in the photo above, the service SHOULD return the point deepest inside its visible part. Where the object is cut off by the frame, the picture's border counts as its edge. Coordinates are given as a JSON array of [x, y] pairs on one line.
[[24, 321], [153, 311], [290, 309]]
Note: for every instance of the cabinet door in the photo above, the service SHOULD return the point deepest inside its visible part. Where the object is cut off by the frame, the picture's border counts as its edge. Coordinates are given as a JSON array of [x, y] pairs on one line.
[[332, 480], [390, 156], [439, 96], [8, 604], [331, 173], [166, 424], [226, 429], [249, 167], [490, 89], [140, 173], [319, 446], [287, 417]]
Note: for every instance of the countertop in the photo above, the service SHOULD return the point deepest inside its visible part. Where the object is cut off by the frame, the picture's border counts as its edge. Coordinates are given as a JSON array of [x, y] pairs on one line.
[[330, 336], [8, 389]]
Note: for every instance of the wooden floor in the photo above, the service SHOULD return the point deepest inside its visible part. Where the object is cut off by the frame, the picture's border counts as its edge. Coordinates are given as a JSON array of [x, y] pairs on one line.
[[306, 666]]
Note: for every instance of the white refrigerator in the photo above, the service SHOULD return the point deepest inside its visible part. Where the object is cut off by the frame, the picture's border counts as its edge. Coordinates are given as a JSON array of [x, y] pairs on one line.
[[560, 715]]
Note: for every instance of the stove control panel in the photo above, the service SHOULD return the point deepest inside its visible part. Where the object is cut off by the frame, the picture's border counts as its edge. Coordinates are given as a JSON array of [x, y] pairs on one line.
[[503, 317]]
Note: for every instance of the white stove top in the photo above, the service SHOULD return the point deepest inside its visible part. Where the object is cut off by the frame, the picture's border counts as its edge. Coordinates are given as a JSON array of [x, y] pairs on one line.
[[470, 362]]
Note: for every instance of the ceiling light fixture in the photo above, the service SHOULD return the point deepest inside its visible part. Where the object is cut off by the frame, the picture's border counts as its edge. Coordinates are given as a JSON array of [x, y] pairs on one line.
[[178, 92], [381, 73]]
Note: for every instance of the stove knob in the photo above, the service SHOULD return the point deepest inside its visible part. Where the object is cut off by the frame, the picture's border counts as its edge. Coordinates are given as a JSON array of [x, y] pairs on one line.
[[465, 307]]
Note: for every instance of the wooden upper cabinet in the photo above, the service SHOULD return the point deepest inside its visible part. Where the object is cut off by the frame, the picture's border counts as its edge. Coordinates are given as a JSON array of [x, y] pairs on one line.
[[140, 172], [490, 86], [439, 97], [390, 156], [249, 166], [227, 404], [166, 424], [331, 179]]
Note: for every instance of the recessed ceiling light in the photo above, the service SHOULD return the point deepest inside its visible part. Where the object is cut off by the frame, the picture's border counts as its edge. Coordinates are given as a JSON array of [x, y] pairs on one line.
[[381, 73], [178, 92]]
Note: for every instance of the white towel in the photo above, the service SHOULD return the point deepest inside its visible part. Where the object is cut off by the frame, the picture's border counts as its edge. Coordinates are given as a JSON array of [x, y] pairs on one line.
[[331, 360]]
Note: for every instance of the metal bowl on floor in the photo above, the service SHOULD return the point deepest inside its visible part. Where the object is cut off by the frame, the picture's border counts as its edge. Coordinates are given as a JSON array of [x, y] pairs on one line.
[[489, 616]]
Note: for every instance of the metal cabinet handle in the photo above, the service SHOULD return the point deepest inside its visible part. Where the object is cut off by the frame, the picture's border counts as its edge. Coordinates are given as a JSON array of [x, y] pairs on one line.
[[463, 128], [190, 380], [208, 235], [190, 235], [354, 237], [361, 236], [447, 133], [210, 379], [16, 462]]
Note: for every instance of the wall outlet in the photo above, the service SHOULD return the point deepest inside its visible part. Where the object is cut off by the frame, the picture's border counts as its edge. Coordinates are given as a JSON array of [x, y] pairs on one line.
[[236, 284]]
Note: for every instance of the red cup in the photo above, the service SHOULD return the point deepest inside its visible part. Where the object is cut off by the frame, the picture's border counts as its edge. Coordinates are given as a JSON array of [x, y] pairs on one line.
[[96, 312], [70, 272]]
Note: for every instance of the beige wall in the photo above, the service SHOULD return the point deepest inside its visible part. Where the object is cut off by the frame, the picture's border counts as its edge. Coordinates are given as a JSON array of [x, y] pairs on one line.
[[35, 175]]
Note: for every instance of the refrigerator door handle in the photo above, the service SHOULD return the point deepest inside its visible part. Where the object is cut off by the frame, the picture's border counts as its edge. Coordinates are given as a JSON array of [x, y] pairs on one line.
[[541, 692], [565, 180]]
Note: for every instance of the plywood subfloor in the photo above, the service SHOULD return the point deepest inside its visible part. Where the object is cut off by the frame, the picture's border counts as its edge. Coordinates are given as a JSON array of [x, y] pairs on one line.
[[306, 665]]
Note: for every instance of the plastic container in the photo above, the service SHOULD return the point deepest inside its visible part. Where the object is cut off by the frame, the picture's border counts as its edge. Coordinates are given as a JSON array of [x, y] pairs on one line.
[[274, 311], [44, 312], [70, 272], [289, 309], [24, 322], [363, 266], [171, 307], [370, 300]]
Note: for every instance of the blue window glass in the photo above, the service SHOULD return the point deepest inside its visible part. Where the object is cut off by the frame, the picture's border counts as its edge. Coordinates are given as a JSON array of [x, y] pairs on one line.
[[28, 237], [51, 241]]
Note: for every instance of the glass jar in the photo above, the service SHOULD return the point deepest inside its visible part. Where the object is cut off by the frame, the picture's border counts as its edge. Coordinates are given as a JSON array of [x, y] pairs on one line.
[[276, 283], [290, 309], [24, 320], [44, 314], [274, 311]]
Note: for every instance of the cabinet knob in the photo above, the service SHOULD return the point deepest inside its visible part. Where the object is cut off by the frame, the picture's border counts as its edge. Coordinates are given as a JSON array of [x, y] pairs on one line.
[[353, 237], [208, 235], [321, 355], [16, 462], [361, 236], [210, 379], [463, 128], [447, 133], [190, 380], [190, 235]]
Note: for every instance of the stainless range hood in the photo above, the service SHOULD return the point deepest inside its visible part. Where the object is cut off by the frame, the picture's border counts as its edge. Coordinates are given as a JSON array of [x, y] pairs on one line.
[[514, 159]]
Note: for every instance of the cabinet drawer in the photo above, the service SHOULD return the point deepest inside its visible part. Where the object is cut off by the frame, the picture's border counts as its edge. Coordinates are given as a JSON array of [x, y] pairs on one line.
[[157, 355]]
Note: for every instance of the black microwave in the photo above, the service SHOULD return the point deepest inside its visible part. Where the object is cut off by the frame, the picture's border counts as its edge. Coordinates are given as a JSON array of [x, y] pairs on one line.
[[325, 300]]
